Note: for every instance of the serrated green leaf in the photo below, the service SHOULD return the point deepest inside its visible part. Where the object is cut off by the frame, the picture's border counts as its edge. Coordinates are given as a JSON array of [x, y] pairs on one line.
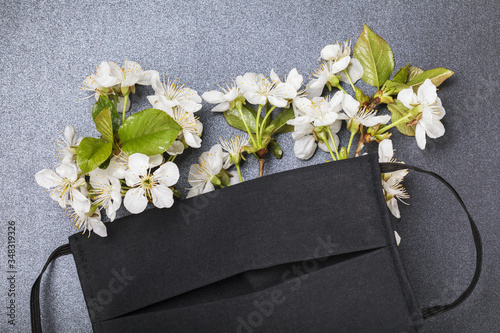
[[148, 132], [402, 74], [398, 110], [413, 71], [233, 118], [375, 56], [280, 121], [93, 152], [275, 149], [102, 103], [436, 75], [104, 124]]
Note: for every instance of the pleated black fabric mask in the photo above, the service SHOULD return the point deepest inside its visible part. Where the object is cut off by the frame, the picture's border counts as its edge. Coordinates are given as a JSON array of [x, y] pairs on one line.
[[307, 250]]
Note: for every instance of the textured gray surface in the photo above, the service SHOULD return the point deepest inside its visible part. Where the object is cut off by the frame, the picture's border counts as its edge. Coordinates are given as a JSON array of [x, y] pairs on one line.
[[48, 47]]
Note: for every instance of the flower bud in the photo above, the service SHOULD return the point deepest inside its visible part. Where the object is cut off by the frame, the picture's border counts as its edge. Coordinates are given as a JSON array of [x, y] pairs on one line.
[[343, 153], [215, 180]]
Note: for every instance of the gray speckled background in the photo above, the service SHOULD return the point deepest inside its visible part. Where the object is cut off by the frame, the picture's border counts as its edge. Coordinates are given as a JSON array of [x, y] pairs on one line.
[[47, 48]]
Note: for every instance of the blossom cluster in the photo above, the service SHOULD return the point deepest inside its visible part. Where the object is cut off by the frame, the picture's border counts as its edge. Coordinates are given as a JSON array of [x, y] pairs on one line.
[[133, 159], [137, 178], [315, 114]]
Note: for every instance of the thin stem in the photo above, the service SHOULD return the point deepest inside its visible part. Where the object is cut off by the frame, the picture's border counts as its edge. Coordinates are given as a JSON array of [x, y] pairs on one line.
[[239, 172], [246, 126], [257, 118], [350, 81], [350, 142], [330, 149], [125, 100], [268, 114], [329, 130], [397, 122], [171, 158], [340, 87]]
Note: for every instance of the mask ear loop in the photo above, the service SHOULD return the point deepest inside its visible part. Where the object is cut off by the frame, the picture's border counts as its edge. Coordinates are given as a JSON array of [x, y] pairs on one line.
[[36, 322], [438, 309]]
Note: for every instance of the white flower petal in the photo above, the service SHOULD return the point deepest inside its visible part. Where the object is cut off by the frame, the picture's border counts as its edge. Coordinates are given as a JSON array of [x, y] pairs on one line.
[[255, 98], [146, 77], [80, 201], [70, 135], [350, 105], [407, 97], [138, 163], [163, 197], [385, 150], [67, 170], [277, 101], [192, 140], [221, 107], [47, 178], [213, 97], [167, 174], [427, 92], [274, 77], [304, 148], [340, 64], [316, 86], [393, 207], [97, 227], [135, 200], [398, 238], [420, 135], [176, 148], [330, 52], [295, 79]]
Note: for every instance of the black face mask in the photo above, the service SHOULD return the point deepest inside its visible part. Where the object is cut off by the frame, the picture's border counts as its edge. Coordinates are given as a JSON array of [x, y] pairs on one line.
[[307, 250]]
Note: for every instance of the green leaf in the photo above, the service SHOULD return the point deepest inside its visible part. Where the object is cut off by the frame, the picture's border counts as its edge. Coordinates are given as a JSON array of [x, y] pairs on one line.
[[279, 122], [375, 56], [105, 164], [233, 118], [149, 132], [413, 71], [104, 124], [394, 87], [103, 103], [275, 149], [93, 152], [402, 75], [398, 110], [436, 75]]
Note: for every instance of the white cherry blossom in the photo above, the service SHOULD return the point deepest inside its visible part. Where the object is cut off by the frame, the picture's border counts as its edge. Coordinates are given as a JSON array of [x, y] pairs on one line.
[[64, 186], [257, 89], [201, 175], [354, 114], [391, 182], [107, 191], [319, 111], [433, 111], [336, 59], [64, 152], [170, 95], [222, 98], [110, 74], [145, 185], [118, 165]]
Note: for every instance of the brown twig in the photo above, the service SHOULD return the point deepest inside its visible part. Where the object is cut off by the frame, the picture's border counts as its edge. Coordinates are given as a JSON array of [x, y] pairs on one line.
[[262, 159]]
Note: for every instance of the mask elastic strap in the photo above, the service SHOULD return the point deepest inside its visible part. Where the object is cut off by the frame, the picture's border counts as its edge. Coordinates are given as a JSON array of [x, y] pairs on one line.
[[36, 322], [434, 310]]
